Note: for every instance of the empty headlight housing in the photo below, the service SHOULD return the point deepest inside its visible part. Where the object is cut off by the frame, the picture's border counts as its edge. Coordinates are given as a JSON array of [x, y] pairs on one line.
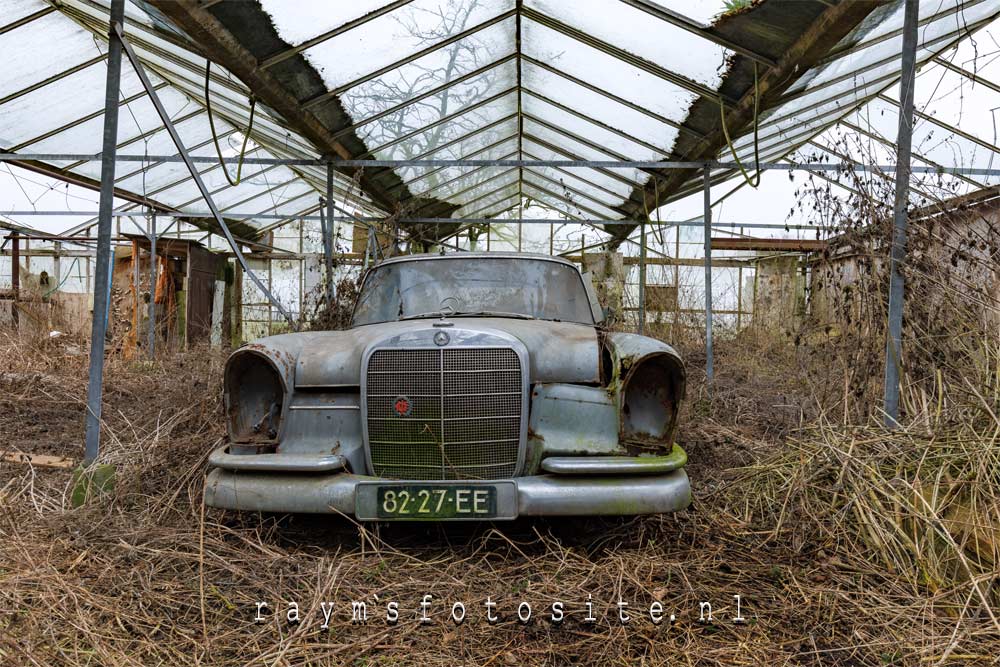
[[650, 398], [254, 397]]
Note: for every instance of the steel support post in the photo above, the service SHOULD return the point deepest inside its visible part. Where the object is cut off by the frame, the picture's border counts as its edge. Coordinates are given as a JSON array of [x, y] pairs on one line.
[[153, 262], [102, 280], [328, 239], [893, 348], [15, 277], [196, 176], [642, 280], [707, 219]]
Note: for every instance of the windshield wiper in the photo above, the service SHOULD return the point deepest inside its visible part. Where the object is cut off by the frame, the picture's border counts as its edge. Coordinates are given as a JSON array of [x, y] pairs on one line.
[[468, 313]]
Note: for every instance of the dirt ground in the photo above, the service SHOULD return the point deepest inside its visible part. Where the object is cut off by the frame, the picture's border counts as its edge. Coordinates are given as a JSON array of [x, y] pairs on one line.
[[145, 575]]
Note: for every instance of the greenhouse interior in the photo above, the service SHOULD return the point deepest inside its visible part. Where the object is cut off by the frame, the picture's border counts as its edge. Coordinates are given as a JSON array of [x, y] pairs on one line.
[[732, 267]]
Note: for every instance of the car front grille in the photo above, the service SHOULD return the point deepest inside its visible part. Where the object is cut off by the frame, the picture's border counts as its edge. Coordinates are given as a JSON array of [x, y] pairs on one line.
[[462, 418]]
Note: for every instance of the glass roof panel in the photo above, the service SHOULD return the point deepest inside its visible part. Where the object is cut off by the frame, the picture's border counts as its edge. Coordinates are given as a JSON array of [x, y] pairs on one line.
[[434, 177], [583, 207], [563, 207], [544, 111], [499, 207], [484, 204], [432, 70], [23, 67], [488, 184], [703, 11], [432, 138], [597, 106], [854, 61], [289, 198], [633, 30], [15, 10], [389, 38], [570, 181], [469, 186], [958, 101], [605, 71], [575, 147], [315, 17], [134, 119], [450, 101], [540, 152], [460, 148], [931, 141], [59, 103]]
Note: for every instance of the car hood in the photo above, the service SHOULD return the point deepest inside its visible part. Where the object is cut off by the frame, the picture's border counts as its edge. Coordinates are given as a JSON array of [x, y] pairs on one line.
[[557, 351]]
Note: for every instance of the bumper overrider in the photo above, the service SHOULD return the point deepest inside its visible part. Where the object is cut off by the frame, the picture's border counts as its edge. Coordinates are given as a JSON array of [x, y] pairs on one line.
[[572, 486]]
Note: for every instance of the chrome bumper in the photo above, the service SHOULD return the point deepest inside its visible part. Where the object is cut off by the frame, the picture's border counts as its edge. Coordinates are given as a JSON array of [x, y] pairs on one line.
[[540, 495]]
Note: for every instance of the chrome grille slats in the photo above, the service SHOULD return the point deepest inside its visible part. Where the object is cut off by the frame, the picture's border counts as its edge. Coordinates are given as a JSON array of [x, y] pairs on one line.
[[465, 419]]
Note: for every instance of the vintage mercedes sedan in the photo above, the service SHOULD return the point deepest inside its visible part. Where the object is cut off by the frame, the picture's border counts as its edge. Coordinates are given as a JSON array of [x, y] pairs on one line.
[[469, 386]]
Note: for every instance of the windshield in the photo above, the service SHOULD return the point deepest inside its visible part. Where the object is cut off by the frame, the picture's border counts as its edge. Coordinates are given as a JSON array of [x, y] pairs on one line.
[[483, 286]]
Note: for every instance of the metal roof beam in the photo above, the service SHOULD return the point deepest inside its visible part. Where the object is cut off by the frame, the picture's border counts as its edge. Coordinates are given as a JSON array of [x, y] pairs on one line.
[[971, 76], [891, 144], [947, 126]]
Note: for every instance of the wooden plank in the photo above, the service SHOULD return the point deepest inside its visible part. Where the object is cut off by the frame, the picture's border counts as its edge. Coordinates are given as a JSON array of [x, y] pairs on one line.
[[38, 460], [786, 245]]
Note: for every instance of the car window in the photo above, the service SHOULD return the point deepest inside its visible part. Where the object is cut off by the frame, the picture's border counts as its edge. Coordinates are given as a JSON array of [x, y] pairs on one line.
[[486, 286]]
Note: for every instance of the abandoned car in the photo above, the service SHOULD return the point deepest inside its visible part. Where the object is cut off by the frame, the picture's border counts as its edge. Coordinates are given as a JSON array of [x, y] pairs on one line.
[[469, 386]]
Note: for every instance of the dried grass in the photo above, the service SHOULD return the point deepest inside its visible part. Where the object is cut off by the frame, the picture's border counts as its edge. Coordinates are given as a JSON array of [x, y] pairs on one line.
[[849, 546]]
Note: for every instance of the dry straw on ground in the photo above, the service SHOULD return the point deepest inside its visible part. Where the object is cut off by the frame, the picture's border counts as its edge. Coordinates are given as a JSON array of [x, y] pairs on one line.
[[848, 546]]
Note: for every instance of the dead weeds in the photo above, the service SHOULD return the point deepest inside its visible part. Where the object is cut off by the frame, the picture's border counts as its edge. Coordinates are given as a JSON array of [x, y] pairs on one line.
[[806, 524]]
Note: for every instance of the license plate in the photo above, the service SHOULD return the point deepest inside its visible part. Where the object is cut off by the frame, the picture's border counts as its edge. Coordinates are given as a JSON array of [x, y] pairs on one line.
[[377, 501]]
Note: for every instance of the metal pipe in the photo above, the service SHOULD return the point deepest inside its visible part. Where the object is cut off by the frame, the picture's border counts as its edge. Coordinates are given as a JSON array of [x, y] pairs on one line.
[[642, 279], [102, 280], [893, 349], [367, 220], [593, 164], [15, 276], [328, 240], [707, 220], [196, 177], [153, 262]]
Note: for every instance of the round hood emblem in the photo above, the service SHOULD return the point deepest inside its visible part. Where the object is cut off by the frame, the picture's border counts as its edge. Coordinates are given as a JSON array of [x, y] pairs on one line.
[[441, 339], [402, 406]]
